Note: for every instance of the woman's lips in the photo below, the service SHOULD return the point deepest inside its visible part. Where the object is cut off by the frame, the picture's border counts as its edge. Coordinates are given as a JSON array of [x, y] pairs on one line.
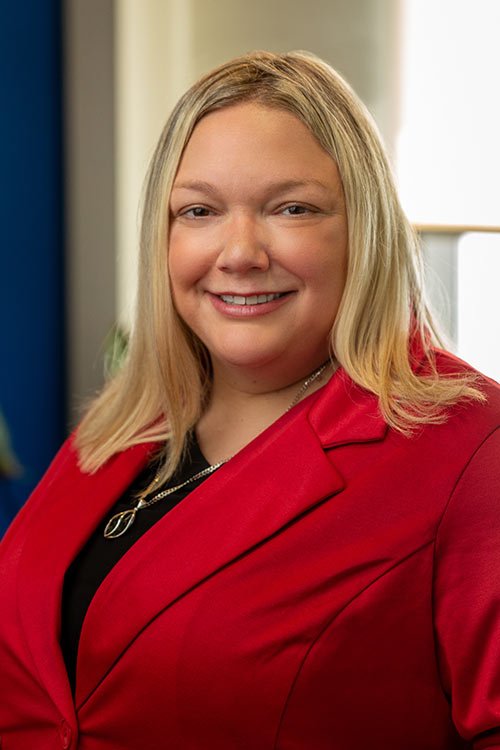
[[251, 299], [245, 306]]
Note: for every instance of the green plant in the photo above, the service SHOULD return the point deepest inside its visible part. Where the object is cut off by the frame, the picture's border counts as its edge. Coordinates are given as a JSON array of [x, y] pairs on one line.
[[115, 349]]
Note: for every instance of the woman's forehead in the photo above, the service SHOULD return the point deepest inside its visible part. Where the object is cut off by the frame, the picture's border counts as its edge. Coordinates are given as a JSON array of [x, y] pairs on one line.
[[256, 142]]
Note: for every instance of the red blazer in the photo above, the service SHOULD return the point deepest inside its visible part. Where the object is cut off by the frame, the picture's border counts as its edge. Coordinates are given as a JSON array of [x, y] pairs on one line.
[[336, 586]]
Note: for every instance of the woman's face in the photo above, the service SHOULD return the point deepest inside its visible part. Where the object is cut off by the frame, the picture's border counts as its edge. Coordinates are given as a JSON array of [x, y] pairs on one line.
[[258, 240]]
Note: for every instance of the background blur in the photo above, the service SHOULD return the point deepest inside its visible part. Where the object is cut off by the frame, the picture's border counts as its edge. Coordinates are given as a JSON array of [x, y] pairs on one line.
[[86, 86]]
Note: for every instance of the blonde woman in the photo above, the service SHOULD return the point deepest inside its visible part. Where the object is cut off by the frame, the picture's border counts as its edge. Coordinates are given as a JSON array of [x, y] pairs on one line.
[[279, 524]]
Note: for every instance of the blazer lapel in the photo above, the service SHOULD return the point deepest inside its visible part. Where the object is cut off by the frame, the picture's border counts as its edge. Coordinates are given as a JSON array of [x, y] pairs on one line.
[[67, 505]]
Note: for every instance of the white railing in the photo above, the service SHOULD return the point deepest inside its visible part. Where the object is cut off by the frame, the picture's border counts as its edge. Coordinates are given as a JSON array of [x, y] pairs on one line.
[[463, 265]]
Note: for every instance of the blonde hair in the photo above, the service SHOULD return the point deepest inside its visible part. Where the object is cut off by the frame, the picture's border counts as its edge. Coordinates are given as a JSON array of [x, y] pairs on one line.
[[160, 392]]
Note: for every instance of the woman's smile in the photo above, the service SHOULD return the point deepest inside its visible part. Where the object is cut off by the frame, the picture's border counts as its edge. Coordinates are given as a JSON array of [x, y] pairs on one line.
[[252, 299], [248, 306]]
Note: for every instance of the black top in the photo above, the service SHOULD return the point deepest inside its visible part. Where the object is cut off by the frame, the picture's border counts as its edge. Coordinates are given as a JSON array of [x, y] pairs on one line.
[[100, 555]]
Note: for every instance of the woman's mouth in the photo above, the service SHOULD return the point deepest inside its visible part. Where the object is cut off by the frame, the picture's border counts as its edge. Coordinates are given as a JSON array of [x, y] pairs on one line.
[[245, 306], [254, 299]]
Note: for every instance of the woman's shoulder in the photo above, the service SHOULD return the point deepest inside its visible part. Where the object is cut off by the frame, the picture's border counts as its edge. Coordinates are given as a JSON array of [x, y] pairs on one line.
[[450, 365], [470, 430], [447, 363], [65, 457]]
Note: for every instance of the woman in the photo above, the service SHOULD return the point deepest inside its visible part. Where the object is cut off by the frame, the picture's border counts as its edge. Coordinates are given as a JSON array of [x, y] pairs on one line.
[[278, 526]]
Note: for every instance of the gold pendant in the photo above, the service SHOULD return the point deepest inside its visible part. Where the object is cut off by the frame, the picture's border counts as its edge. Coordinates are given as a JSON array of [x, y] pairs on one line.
[[120, 523]]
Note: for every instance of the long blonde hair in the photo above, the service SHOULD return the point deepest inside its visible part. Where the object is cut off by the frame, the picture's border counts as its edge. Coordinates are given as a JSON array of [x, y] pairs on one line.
[[160, 392]]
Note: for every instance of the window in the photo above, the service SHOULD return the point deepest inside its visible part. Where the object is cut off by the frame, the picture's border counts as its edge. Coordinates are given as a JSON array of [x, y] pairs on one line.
[[448, 153]]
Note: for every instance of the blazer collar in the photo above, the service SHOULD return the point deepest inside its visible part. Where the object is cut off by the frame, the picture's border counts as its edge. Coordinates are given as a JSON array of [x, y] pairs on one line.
[[345, 413], [283, 474]]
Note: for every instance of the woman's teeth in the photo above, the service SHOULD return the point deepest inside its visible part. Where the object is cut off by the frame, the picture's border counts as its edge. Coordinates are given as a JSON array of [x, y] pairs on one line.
[[256, 299]]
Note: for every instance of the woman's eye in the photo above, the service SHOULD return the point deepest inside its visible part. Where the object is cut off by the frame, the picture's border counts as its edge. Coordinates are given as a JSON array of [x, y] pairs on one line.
[[295, 209], [196, 212]]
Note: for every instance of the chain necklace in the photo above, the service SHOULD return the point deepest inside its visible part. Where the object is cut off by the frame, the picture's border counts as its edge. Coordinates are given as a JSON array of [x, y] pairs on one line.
[[121, 522]]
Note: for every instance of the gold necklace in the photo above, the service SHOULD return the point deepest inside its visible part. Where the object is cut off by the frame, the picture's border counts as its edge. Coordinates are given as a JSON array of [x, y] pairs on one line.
[[121, 522]]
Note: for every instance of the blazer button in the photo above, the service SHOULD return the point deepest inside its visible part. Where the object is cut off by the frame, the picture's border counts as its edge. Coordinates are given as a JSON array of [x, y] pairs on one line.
[[65, 735]]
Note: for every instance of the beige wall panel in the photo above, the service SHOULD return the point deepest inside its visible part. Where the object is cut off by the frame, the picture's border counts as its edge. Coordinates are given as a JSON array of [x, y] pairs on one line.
[[358, 37], [90, 220], [153, 67]]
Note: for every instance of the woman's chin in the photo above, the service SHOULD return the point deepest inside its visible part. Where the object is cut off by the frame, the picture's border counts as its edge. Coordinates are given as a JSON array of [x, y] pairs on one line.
[[261, 363]]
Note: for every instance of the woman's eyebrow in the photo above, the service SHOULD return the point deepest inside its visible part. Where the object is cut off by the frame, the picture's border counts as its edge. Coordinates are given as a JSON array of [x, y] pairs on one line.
[[198, 185], [276, 187]]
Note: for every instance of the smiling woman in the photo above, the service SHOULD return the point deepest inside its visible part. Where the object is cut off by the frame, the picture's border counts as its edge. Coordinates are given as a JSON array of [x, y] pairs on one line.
[[280, 518]]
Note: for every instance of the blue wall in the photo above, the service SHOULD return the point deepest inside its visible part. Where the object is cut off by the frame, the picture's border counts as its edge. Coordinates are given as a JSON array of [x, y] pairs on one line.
[[32, 379]]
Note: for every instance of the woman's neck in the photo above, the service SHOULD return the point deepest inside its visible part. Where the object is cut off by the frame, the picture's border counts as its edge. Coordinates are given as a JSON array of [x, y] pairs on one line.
[[238, 411]]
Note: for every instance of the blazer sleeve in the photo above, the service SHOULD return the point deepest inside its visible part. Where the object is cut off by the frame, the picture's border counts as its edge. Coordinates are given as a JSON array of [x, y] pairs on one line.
[[467, 598]]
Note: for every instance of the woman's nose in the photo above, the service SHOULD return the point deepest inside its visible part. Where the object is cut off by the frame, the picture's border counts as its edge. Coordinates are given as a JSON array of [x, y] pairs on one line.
[[243, 246]]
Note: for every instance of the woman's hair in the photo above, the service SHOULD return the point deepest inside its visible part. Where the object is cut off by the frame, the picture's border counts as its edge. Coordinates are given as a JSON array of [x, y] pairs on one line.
[[160, 392]]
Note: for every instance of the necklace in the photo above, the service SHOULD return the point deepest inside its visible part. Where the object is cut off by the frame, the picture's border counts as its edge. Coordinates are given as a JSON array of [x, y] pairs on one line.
[[121, 522]]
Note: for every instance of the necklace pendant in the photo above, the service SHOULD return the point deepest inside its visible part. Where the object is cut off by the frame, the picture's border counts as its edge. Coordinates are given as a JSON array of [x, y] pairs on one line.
[[120, 523]]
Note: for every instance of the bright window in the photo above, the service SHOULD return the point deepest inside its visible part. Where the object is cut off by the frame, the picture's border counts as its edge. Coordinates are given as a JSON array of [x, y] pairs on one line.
[[448, 153]]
